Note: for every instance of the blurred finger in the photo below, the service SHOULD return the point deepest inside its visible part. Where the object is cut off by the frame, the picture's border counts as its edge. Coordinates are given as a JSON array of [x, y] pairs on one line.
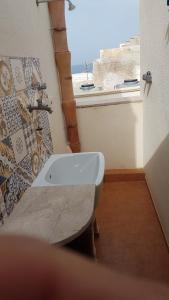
[[31, 269]]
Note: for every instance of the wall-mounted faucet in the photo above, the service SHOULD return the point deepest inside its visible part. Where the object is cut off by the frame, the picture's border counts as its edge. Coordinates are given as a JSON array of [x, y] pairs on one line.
[[39, 87], [40, 105]]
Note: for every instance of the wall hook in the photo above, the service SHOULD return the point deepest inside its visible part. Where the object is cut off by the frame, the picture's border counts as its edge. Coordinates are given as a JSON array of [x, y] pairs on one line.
[[147, 77]]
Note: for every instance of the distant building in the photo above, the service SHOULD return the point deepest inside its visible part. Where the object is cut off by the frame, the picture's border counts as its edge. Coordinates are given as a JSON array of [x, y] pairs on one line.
[[112, 68], [118, 64]]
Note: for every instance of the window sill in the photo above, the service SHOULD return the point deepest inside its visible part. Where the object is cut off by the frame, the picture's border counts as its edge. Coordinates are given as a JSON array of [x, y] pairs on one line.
[[108, 98]]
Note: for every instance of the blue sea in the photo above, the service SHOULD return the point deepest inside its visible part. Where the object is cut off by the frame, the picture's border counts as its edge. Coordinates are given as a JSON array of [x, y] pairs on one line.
[[82, 69]]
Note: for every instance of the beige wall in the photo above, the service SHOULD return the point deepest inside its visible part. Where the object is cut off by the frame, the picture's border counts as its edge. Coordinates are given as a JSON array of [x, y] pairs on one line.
[[25, 31], [115, 130], [155, 57]]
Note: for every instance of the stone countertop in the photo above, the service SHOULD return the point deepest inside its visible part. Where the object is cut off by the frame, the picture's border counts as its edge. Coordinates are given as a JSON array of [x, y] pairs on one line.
[[56, 214]]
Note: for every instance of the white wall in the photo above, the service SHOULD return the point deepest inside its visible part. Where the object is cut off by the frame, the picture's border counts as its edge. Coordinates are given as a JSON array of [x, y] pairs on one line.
[[155, 57], [115, 130], [25, 31]]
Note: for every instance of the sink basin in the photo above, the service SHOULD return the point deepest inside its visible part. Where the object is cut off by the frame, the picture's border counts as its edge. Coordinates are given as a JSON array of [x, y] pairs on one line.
[[73, 169]]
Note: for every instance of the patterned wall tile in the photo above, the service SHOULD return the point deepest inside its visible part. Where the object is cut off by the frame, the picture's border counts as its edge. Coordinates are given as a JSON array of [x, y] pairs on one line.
[[22, 103], [36, 163], [18, 73], [27, 178], [19, 145], [11, 114], [43, 151], [26, 164], [39, 139], [43, 119], [23, 98], [32, 73], [44, 154], [27, 68], [8, 193], [30, 137], [31, 94], [13, 189], [48, 141], [3, 125], [46, 134], [23, 147], [2, 208], [6, 79], [7, 159], [36, 72]]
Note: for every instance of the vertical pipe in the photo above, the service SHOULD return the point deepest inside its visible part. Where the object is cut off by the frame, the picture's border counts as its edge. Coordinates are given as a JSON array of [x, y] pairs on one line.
[[63, 63]]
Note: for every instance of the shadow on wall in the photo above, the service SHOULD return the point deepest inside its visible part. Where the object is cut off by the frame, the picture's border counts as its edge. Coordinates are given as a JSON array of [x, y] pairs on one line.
[[112, 131], [157, 175]]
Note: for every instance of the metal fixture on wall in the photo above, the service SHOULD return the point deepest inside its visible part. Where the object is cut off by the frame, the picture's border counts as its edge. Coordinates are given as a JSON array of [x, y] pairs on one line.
[[39, 87], [71, 5], [40, 105], [147, 77]]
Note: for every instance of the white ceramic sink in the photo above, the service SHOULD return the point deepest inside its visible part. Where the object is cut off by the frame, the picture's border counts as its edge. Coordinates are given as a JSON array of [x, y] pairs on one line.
[[73, 169]]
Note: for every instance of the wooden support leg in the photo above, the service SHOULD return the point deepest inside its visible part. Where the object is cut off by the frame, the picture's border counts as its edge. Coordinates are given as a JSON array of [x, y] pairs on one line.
[[84, 244]]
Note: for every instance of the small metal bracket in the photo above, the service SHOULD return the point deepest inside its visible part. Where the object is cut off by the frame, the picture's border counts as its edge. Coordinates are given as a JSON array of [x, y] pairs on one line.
[[38, 86], [147, 77], [41, 1]]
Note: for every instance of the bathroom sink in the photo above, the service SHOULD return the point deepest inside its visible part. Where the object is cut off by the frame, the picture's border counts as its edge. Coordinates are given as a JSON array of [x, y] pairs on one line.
[[73, 169]]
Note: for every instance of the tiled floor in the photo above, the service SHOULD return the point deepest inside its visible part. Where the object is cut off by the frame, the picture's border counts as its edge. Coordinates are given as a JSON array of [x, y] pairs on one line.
[[131, 240]]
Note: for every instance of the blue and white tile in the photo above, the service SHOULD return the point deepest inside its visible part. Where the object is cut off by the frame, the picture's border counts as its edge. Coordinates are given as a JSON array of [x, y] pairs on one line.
[[11, 114]]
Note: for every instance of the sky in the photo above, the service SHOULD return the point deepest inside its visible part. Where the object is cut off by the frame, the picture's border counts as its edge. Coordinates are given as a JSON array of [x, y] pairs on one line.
[[100, 24]]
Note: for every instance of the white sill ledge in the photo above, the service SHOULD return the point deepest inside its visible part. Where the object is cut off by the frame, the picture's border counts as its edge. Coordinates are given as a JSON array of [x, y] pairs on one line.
[[82, 94], [108, 98]]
